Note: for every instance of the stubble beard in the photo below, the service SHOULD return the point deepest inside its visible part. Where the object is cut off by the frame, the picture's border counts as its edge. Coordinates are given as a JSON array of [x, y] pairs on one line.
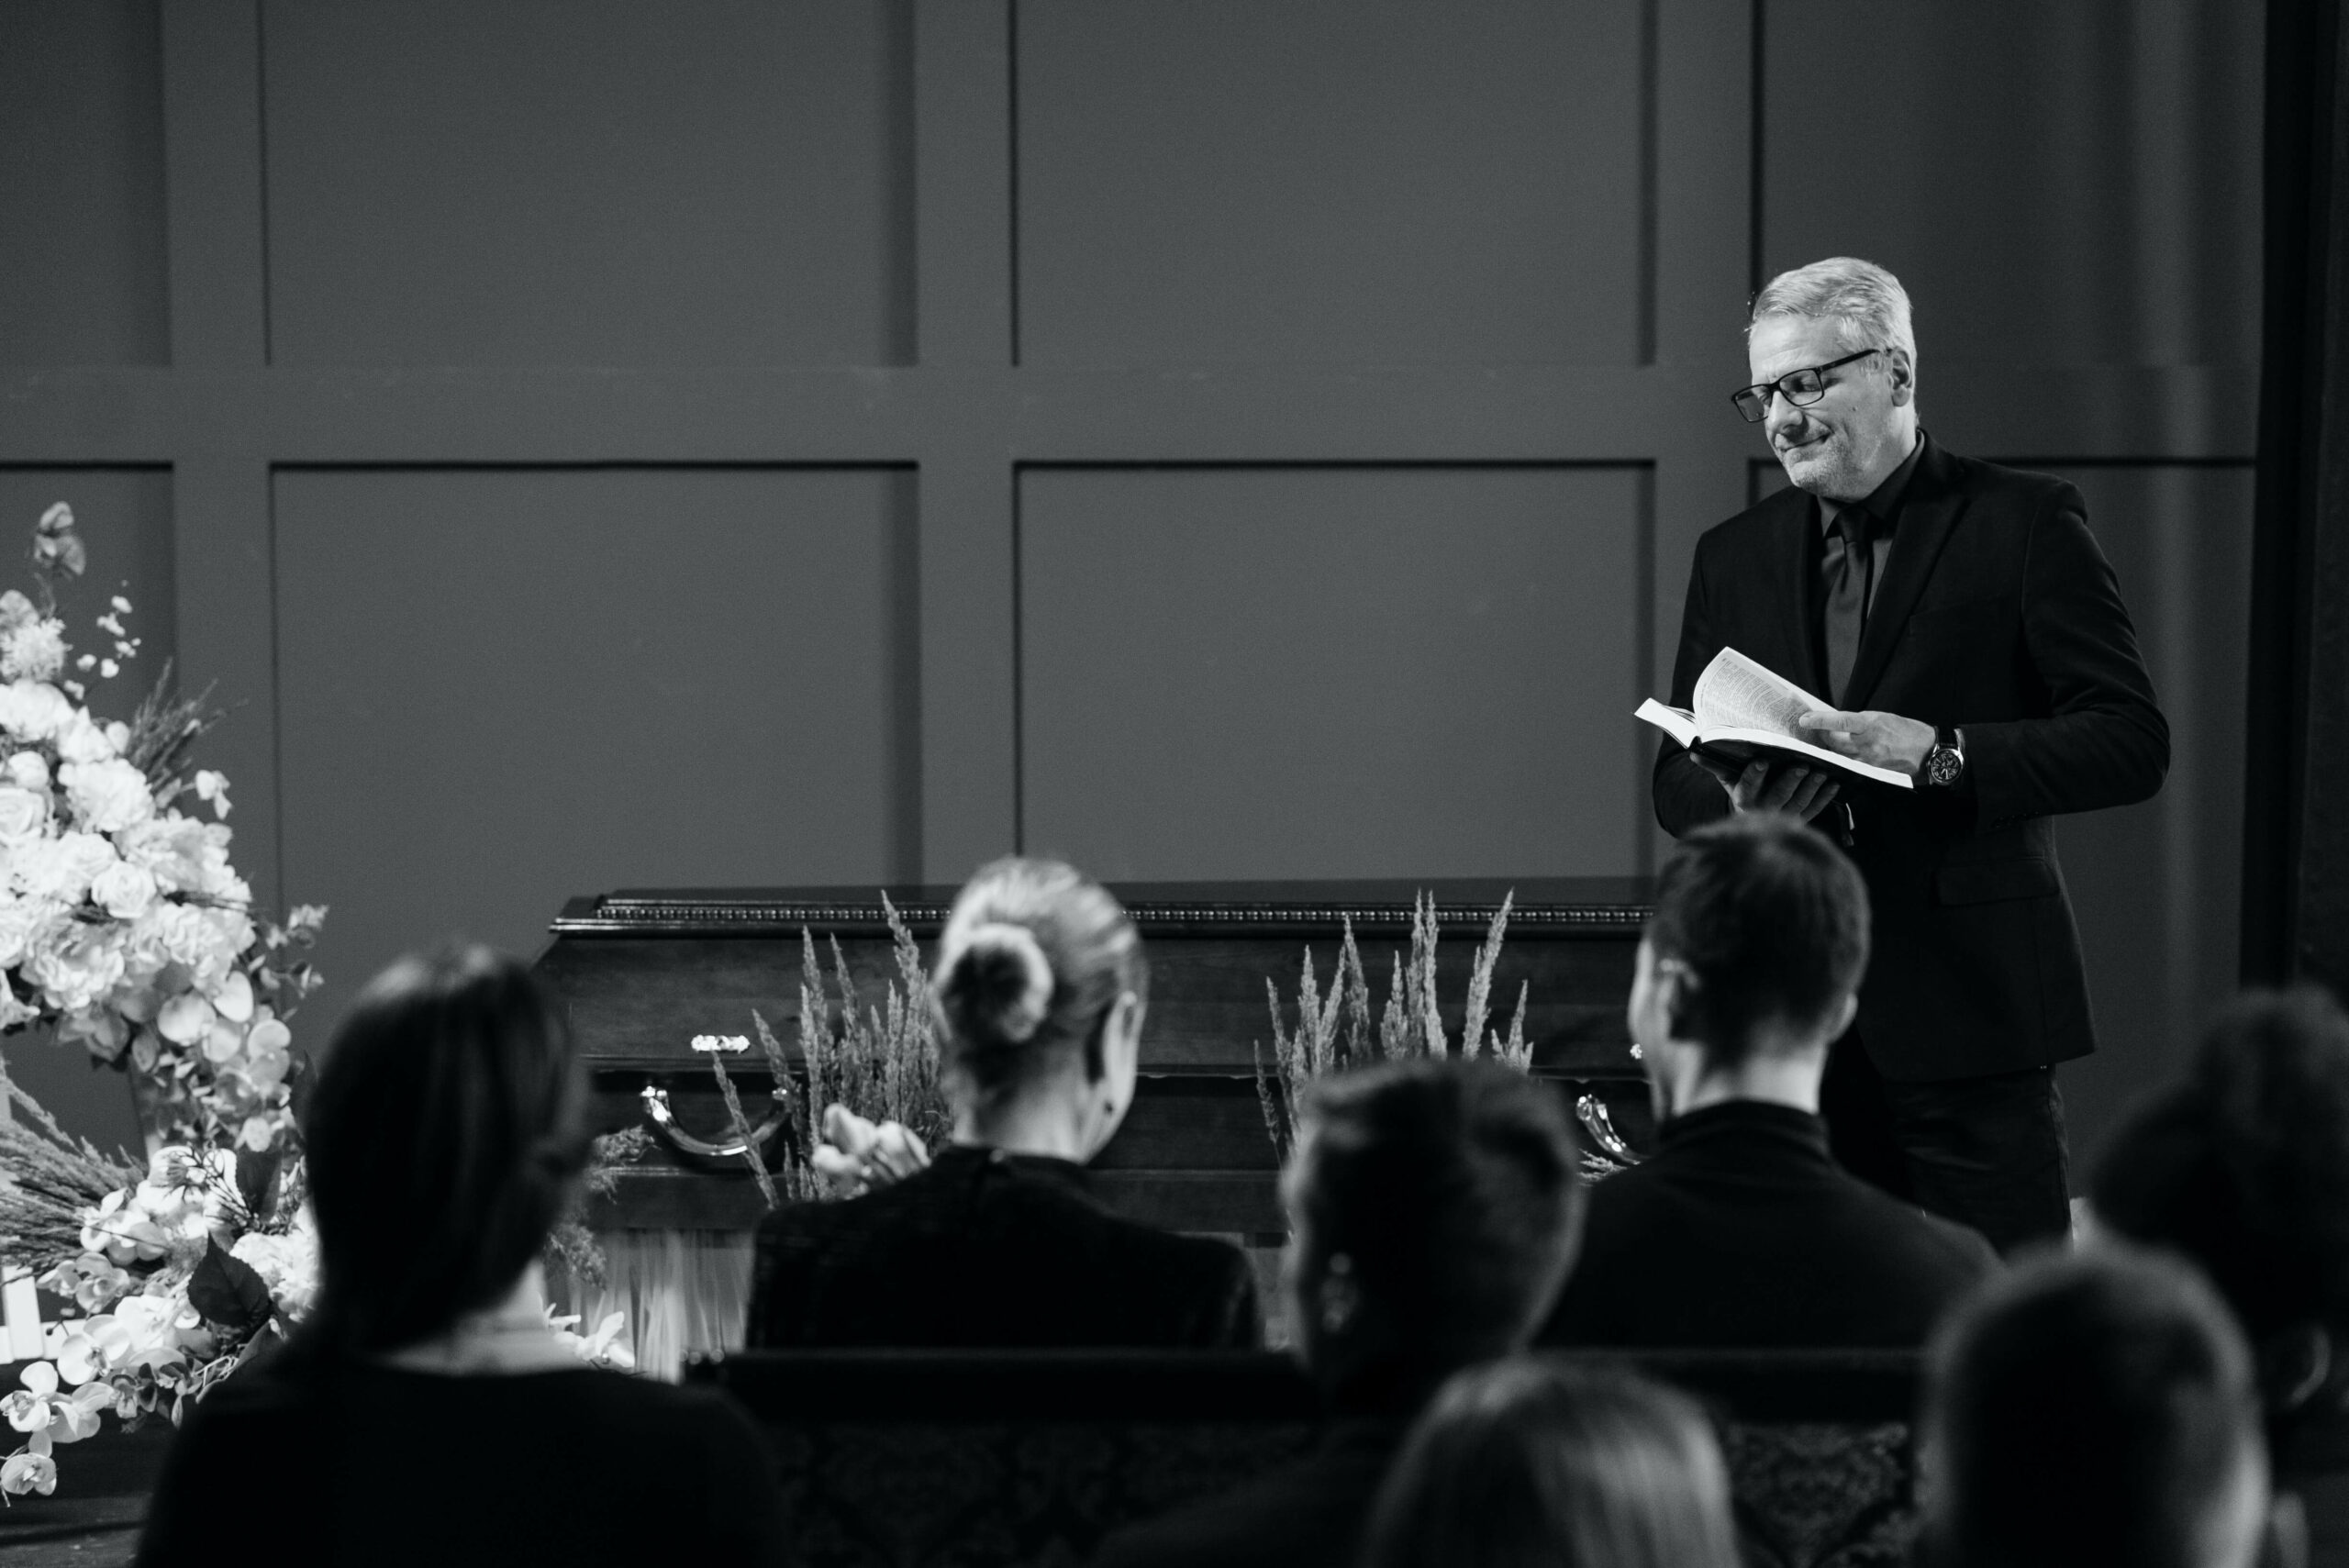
[[1827, 471]]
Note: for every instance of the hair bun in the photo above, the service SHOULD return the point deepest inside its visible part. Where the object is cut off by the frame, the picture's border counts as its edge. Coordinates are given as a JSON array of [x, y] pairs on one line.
[[1000, 986]]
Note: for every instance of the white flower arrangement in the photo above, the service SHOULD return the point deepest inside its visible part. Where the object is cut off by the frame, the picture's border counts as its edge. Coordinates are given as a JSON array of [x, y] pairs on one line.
[[124, 928]]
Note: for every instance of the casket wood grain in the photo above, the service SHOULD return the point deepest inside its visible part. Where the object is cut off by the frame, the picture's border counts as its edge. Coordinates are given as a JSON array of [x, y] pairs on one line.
[[644, 971]]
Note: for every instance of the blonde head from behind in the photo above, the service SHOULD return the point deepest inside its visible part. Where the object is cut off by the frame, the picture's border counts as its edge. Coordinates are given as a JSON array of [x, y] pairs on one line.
[[1039, 988]]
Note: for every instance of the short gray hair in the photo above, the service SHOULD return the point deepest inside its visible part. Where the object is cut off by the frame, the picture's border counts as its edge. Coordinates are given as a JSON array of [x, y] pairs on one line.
[[1863, 299]]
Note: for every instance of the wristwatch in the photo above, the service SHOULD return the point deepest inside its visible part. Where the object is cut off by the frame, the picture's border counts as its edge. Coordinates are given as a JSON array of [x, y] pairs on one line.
[[1946, 763]]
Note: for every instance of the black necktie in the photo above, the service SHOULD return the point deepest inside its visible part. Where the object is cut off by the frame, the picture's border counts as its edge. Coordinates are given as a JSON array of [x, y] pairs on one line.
[[1845, 566]]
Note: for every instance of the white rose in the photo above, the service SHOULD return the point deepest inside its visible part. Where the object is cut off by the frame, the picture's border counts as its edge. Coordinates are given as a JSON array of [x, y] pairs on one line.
[[106, 795], [81, 739], [29, 770], [33, 710], [172, 847], [122, 890], [23, 814]]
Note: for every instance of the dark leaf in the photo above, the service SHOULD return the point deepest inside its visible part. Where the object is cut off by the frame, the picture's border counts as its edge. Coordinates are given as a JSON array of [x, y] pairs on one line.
[[255, 1173], [228, 1292]]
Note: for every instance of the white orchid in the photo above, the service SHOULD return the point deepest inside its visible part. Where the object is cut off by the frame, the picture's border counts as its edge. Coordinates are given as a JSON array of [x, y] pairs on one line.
[[45, 1408], [29, 1469], [121, 1231]]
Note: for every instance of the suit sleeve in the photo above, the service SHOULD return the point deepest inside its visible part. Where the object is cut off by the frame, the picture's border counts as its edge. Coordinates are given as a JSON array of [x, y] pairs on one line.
[[2104, 741], [1687, 796]]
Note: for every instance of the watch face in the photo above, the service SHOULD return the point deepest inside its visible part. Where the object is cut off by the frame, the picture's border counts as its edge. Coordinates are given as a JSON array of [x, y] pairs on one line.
[[1942, 765]]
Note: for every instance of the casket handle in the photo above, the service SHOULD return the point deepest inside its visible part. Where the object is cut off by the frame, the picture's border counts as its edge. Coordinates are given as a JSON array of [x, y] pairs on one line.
[[656, 1106], [1591, 1111]]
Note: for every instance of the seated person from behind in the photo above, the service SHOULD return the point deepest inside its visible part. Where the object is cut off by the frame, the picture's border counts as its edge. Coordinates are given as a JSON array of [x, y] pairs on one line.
[[425, 1412], [1432, 1209], [2244, 1167], [1041, 987], [1527, 1461], [1739, 1229], [2095, 1407]]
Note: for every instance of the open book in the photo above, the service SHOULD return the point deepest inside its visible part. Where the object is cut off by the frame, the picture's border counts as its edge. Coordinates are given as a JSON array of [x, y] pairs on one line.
[[1743, 710]]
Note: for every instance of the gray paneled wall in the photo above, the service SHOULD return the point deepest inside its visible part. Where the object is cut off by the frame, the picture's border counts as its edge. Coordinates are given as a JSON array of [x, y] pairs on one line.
[[740, 441]]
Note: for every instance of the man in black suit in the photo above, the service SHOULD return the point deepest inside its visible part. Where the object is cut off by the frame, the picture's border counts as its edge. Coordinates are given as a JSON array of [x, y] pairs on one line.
[[1434, 1208], [1739, 1229], [1970, 634]]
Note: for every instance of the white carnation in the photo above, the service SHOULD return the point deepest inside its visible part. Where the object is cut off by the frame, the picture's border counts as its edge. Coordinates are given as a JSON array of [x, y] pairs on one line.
[[60, 868], [171, 846], [106, 795], [21, 920], [287, 1264], [75, 964], [32, 651]]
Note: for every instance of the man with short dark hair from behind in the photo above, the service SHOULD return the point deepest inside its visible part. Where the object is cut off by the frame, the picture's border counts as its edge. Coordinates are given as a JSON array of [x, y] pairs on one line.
[[2095, 1407], [2243, 1165], [1434, 1209], [1739, 1229]]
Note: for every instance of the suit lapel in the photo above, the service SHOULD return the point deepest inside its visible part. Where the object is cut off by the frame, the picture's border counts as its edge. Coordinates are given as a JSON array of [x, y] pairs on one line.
[[1927, 515]]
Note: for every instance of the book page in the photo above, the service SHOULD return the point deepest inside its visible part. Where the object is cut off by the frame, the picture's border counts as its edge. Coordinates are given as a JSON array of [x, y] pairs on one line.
[[1735, 693]]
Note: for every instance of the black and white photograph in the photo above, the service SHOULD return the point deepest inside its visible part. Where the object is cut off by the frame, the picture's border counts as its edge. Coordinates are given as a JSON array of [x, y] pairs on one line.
[[1268, 784]]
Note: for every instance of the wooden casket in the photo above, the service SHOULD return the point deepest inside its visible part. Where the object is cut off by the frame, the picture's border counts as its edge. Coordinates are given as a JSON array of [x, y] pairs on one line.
[[643, 973]]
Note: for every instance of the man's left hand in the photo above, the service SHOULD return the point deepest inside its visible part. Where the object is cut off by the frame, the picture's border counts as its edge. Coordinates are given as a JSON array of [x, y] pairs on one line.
[[1880, 739]]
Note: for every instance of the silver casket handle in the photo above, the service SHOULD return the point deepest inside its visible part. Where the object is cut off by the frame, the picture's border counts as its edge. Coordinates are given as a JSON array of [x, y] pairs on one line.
[[656, 1106], [1591, 1111]]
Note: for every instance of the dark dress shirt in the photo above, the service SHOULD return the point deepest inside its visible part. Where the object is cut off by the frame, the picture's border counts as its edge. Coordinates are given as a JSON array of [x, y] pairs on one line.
[[1309, 1515], [985, 1248], [1740, 1231], [365, 1465], [1842, 623]]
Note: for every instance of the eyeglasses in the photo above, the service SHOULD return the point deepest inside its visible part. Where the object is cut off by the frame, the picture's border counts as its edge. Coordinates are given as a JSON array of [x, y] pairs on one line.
[[1801, 388]]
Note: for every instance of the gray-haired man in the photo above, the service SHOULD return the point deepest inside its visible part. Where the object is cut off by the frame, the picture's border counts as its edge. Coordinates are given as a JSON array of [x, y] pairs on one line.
[[1970, 634]]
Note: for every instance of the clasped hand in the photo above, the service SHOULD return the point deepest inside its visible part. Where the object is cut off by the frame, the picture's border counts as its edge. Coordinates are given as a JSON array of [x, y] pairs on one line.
[[855, 1156]]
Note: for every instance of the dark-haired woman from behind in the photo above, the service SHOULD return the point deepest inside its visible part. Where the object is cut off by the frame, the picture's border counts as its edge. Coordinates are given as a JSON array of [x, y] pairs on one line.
[[425, 1412], [1040, 986], [1528, 1464]]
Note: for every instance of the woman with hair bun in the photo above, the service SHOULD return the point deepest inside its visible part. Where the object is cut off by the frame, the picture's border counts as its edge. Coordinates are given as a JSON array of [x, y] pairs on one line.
[[1041, 987]]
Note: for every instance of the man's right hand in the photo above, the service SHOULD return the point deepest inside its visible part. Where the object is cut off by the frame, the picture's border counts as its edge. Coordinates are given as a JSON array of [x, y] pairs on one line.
[[1765, 786]]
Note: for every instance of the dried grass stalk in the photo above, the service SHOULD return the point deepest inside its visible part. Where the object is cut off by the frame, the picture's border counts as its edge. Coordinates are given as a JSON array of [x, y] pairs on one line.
[[1334, 1032]]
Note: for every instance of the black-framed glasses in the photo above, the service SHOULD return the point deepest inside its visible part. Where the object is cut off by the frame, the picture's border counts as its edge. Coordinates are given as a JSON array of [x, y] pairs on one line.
[[1801, 388]]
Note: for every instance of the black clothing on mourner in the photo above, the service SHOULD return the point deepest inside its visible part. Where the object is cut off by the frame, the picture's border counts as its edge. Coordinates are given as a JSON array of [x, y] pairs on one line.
[[368, 1465], [985, 1248], [1989, 1148], [1991, 610], [1308, 1515], [1740, 1231]]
